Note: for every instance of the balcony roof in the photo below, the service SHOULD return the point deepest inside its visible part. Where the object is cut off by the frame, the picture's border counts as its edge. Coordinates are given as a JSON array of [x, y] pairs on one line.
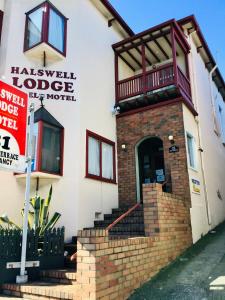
[[158, 45], [191, 25]]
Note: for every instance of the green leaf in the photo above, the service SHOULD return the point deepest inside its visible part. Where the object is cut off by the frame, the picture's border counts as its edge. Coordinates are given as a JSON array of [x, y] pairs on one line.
[[5, 219], [38, 216], [45, 209], [51, 223]]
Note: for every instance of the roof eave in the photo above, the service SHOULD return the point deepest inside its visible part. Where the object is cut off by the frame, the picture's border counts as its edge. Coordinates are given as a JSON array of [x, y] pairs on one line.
[[117, 17], [192, 19]]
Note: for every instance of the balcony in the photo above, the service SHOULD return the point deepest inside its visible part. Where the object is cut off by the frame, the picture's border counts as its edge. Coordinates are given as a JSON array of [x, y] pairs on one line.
[[152, 67]]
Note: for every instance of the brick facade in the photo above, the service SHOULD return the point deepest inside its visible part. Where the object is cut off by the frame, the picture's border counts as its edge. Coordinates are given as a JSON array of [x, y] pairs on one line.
[[157, 122], [112, 269]]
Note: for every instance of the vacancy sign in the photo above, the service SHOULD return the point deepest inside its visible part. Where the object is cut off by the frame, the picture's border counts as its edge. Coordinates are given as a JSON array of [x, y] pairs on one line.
[[13, 121]]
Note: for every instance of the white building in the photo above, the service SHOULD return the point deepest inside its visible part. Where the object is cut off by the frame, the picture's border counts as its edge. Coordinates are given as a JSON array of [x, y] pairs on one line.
[[66, 54]]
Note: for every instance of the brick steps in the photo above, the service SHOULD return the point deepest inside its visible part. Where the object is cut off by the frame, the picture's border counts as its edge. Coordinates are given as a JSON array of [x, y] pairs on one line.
[[66, 276], [131, 226], [40, 290], [54, 284]]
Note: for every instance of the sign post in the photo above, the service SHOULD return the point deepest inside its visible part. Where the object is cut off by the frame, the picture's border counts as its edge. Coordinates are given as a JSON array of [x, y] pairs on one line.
[[23, 278], [13, 133], [13, 127]]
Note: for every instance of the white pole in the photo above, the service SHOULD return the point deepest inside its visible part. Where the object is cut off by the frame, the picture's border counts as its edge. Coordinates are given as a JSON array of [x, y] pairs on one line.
[[23, 278]]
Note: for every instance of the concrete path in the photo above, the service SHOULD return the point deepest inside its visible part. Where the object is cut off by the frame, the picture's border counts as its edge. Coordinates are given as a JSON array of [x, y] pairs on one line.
[[199, 274]]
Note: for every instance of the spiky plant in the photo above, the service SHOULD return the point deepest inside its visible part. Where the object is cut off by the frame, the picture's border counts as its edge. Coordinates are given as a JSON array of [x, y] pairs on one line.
[[38, 216]]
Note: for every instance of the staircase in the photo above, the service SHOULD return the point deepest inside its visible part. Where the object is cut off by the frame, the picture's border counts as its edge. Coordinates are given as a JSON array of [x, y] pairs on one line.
[[131, 225], [61, 284], [53, 284]]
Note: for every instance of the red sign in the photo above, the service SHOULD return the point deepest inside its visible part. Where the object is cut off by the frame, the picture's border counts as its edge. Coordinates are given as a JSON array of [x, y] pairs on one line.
[[13, 123]]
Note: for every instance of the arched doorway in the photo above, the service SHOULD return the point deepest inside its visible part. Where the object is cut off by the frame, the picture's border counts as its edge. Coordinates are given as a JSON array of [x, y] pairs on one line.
[[149, 163]]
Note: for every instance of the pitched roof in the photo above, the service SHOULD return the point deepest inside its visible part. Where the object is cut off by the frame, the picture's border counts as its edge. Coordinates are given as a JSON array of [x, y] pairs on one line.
[[43, 115], [191, 25]]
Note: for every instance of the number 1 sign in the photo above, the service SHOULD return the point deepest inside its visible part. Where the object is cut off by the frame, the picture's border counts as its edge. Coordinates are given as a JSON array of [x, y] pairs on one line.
[[13, 123]]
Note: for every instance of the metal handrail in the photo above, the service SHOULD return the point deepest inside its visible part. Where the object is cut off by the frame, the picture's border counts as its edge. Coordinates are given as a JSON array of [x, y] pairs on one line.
[[123, 216]]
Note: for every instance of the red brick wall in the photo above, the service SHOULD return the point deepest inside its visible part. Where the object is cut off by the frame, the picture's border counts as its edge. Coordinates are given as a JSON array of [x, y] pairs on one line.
[[112, 269], [160, 122]]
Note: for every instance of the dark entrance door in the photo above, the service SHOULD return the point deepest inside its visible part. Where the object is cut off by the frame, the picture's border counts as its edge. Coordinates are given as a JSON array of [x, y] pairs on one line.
[[151, 162]]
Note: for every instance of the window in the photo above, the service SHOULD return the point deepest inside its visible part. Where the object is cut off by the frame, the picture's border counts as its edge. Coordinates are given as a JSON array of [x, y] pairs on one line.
[[47, 153], [34, 28], [50, 158], [221, 123], [56, 30], [191, 151], [45, 24], [100, 158]]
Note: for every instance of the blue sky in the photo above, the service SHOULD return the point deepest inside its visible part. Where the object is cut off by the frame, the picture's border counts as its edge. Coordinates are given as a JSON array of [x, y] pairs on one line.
[[210, 14]]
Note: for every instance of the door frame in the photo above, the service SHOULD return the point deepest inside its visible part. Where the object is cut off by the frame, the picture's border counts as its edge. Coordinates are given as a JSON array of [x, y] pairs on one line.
[[137, 167], [138, 194]]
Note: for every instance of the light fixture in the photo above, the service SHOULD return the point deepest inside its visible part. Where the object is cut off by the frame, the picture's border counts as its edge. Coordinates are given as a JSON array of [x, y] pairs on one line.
[[124, 147], [171, 139]]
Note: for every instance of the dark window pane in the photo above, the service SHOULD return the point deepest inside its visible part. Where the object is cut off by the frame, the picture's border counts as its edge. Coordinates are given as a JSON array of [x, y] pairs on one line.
[[56, 30], [50, 161], [34, 29]]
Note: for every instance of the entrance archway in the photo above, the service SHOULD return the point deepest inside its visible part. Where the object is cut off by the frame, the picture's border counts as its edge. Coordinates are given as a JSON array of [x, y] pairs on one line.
[[149, 163]]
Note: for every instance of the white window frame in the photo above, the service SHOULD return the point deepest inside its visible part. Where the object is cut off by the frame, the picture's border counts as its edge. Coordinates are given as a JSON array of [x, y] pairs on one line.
[[194, 150]]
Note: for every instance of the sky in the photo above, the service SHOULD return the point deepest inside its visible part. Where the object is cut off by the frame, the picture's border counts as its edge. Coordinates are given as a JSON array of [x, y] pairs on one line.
[[210, 14]]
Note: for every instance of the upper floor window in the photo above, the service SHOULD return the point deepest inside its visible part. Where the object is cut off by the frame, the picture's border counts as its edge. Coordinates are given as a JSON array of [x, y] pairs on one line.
[[221, 123], [45, 24], [191, 151], [100, 158]]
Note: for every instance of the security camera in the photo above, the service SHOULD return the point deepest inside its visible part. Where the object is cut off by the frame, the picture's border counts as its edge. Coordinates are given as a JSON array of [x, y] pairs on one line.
[[116, 110]]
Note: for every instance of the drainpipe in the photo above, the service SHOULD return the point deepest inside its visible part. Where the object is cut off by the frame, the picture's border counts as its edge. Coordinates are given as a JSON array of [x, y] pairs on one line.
[[216, 127], [208, 212]]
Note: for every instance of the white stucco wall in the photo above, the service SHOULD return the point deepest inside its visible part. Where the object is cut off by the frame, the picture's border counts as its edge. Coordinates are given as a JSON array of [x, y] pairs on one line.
[[90, 57], [213, 155], [198, 209], [2, 5]]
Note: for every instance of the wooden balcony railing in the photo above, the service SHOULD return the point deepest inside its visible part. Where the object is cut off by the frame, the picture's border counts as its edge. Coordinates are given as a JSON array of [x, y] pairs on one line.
[[152, 80], [184, 83], [130, 87]]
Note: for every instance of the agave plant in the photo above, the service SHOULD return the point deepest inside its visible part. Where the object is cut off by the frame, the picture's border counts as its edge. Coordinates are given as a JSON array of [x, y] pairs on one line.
[[38, 216]]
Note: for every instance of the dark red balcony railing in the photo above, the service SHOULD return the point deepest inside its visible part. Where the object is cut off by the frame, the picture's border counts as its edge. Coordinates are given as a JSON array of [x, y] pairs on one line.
[[130, 87], [159, 77], [184, 83], [152, 80]]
